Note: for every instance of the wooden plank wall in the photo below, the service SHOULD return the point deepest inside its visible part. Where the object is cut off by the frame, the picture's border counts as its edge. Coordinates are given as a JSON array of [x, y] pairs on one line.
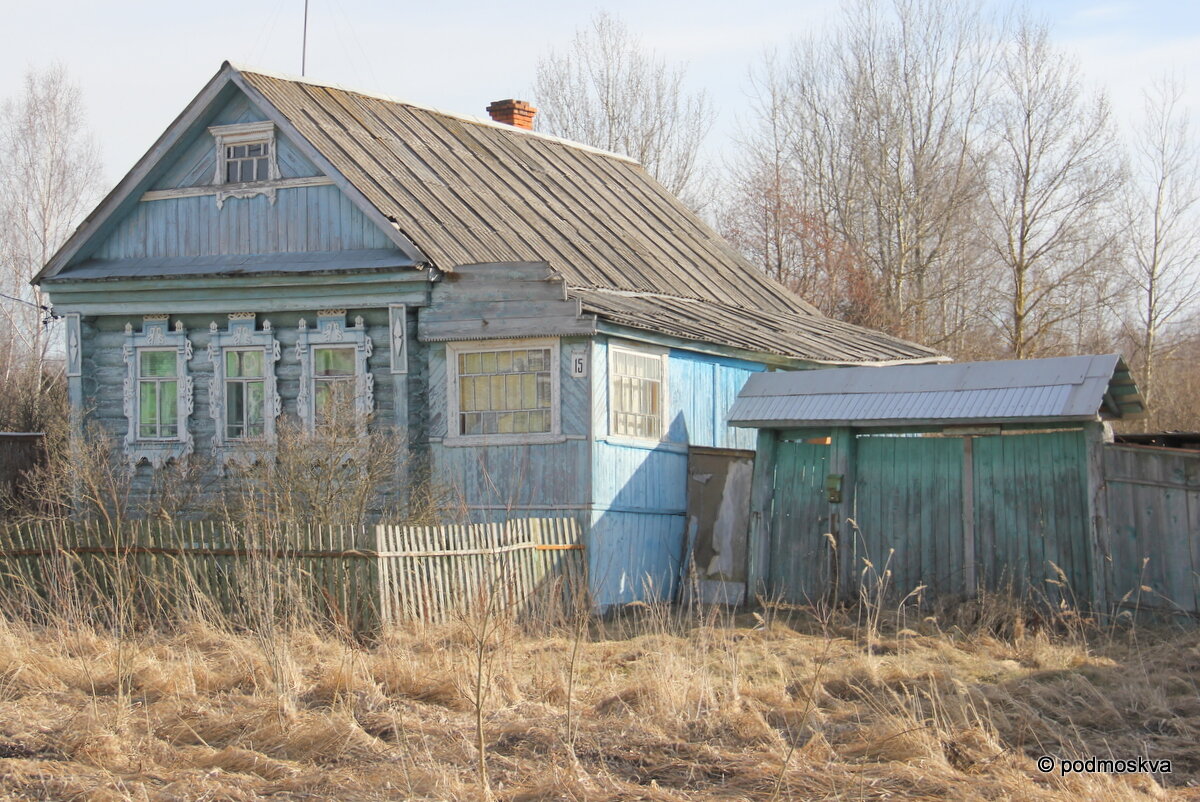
[[909, 498], [917, 514], [1153, 500], [356, 578]]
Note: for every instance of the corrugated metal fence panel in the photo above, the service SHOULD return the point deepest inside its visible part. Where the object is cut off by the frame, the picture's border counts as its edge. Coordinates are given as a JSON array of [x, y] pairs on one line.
[[909, 513], [1031, 513], [1154, 519], [799, 549]]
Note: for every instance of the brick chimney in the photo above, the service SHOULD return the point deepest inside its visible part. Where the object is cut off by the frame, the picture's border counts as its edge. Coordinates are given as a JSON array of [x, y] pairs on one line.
[[513, 112]]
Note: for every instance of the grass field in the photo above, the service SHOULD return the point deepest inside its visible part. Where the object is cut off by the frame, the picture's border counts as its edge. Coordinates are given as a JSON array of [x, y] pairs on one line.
[[652, 705]]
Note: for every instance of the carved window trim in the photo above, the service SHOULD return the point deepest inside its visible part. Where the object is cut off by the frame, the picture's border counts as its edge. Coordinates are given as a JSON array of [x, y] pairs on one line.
[[258, 133], [331, 330], [157, 336], [454, 435], [240, 335]]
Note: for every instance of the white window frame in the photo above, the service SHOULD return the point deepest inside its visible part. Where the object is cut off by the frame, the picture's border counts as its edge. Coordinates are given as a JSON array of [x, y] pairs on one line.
[[240, 335], [332, 331], [664, 402], [454, 436], [246, 134], [156, 336]]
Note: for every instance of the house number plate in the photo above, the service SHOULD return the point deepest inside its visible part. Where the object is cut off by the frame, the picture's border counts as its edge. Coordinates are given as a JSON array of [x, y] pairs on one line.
[[578, 363]]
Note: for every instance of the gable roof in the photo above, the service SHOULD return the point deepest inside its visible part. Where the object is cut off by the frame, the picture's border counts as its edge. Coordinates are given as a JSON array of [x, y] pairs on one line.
[[453, 190], [1074, 388]]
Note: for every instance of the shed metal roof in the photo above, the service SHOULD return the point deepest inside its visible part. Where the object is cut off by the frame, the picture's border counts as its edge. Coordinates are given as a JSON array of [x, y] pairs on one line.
[[1077, 388]]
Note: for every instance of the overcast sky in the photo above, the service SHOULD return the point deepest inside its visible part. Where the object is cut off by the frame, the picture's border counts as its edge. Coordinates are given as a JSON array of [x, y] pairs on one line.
[[139, 62]]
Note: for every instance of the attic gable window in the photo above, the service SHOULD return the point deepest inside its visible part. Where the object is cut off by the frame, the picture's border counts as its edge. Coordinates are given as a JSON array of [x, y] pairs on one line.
[[245, 160], [249, 162]]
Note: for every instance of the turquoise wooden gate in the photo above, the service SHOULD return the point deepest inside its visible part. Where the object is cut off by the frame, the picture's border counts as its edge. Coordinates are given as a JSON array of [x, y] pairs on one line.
[[949, 513], [800, 551], [909, 514]]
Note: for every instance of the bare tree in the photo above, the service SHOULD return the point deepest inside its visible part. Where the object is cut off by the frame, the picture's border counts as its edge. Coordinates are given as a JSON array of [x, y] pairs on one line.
[[1053, 170], [608, 91], [49, 178], [1162, 207], [874, 124]]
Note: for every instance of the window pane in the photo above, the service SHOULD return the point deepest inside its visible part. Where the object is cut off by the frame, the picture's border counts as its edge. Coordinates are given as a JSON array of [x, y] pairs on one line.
[[466, 402], [254, 409], [235, 407], [333, 361], [254, 150], [147, 409], [252, 364], [231, 172], [510, 389], [260, 170], [636, 394], [157, 363], [168, 407], [239, 151]]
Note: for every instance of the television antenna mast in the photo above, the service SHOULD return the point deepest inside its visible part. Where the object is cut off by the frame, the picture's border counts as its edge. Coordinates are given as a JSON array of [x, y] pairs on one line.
[[304, 42]]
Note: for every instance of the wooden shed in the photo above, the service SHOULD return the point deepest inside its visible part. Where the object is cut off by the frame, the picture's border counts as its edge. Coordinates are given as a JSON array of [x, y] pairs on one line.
[[947, 478]]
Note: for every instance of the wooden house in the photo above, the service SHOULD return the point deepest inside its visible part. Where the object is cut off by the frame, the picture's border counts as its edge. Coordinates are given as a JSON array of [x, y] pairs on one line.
[[549, 328]]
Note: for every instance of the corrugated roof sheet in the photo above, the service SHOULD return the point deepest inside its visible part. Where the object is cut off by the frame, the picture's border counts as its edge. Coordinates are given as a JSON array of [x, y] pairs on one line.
[[1031, 390], [818, 338], [468, 192]]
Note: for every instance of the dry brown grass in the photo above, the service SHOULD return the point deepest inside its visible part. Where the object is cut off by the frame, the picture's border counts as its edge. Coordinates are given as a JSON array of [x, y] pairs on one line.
[[669, 707]]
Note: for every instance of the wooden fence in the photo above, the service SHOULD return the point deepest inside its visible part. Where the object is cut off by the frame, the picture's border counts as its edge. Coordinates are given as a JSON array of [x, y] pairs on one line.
[[355, 576], [1153, 506]]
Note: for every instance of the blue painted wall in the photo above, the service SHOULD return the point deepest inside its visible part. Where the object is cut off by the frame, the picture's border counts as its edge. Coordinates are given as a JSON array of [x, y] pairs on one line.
[[639, 492], [301, 219]]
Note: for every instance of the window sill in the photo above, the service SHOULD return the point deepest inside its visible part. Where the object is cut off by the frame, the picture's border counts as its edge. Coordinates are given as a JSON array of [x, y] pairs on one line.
[[476, 440], [647, 445]]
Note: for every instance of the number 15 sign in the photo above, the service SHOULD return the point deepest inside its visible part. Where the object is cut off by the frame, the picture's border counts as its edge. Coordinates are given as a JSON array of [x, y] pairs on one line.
[[578, 363]]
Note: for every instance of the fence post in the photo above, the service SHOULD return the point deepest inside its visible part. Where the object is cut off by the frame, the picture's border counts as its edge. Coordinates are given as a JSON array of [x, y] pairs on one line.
[[1099, 551], [758, 549], [843, 459]]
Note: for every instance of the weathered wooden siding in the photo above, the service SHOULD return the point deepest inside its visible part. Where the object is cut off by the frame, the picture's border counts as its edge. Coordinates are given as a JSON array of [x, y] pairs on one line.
[[639, 492], [301, 219], [514, 480], [800, 560], [1018, 516], [1153, 505], [104, 371], [1031, 512], [909, 512]]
